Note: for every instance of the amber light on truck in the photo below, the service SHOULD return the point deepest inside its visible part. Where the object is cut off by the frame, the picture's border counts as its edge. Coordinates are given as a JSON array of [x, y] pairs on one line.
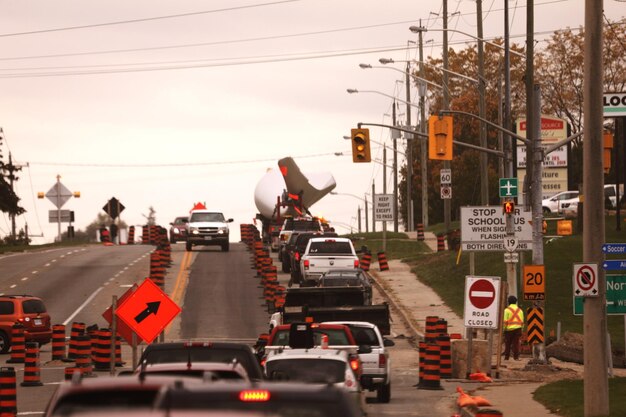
[[254, 395]]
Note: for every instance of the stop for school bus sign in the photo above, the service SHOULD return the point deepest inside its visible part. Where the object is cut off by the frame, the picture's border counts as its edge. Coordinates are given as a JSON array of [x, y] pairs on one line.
[[482, 300]]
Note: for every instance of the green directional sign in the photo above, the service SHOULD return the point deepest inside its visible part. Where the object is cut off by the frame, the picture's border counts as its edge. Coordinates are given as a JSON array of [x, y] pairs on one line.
[[615, 297], [508, 187]]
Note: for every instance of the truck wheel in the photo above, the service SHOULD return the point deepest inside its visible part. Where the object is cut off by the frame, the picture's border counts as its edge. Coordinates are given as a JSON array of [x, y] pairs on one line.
[[225, 247], [5, 342], [383, 393], [188, 246]]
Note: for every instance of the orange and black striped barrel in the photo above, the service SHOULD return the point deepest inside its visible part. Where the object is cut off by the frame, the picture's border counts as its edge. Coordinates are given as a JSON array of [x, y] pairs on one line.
[[70, 371], [420, 232], [441, 327], [18, 344], [58, 342], [83, 354], [157, 272], [8, 391], [430, 335], [131, 235], [445, 357], [431, 377], [32, 369], [382, 262], [422, 358], [76, 330], [366, 260], [441, 243], [152, 234], [101, 352], [145, 235]]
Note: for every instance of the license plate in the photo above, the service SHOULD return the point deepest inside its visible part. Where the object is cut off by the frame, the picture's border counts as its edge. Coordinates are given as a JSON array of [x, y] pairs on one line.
[[38, 322], [207, 238]]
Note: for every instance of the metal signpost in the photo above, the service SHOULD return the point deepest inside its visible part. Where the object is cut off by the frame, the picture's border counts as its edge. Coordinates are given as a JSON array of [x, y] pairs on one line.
[[59, 195]]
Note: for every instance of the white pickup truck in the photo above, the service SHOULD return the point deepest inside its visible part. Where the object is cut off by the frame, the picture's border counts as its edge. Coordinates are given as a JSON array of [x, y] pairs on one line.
[[323, 254]]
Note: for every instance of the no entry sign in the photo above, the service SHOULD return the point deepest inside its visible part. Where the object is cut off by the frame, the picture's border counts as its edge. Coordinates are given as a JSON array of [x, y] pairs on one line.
[[482, 299]]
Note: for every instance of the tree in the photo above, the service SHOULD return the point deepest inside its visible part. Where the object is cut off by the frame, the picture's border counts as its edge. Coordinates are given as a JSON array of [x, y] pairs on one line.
[[151, 217], [102, 220]]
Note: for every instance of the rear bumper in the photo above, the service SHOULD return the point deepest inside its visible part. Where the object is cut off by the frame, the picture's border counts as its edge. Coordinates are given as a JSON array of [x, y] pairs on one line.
[[373, 381]]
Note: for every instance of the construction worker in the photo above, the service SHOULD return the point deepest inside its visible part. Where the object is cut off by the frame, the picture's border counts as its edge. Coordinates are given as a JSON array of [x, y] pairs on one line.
[[513, 324]]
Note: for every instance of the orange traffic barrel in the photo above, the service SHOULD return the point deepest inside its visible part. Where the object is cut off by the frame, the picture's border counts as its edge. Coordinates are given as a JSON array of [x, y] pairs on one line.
[[441, 243], [145, 235], [76, 330], [118, 351], [431, 379], [32, 369], [157, 272], [382, 262], [430, 335], [101, 352], [445, 356], [131, 235], [18, 344], [70, 371], [422, 358], [8, 391], [58, 342], [366, 260], [420, 232], [83, 355], [441, 326]]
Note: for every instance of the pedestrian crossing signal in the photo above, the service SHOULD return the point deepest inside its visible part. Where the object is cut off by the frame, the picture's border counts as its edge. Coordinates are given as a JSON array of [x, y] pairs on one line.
[[508, 207]]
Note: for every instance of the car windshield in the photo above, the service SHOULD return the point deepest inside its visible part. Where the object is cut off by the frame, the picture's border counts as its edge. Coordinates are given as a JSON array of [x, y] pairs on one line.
[[316, 370], [207, 217], [330, 247], [336, 337], [180, 220]]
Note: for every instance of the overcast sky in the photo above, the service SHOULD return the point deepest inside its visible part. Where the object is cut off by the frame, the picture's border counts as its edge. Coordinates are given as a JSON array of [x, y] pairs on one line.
[[166, 103]]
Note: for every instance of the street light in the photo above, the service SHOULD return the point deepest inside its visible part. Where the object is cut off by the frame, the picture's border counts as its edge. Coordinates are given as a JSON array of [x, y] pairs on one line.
[[386, 61], [423, 80], [355, 91]]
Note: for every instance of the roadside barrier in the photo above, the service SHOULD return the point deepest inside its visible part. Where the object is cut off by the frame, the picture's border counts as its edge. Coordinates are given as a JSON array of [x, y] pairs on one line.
[[76, 330], [32, 369], [270, 294], [279, 297], [445, 356], [8, 391], [102, 351], [488, 413], [157, 272], [430, 334], [382, 262], [18, 344], [441, 327], [431, 379], [58, 342], [366, 261], [131, 235], [269, 273], [422, 358], [441, 243], [145, 235], [152, 234], [420, 232], [83, 355]]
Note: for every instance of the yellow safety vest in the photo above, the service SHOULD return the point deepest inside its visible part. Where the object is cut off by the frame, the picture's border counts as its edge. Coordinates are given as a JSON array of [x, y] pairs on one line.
[[513, 318]]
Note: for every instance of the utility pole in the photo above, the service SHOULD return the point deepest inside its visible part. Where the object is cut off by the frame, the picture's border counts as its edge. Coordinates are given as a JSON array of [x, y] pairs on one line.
[[359, 217], [484, 179], [12, 169], [507, 144], [423, 144], [596, 390], [367, 227], [373, 208], [447, 207], [394, 137], [409, 154]]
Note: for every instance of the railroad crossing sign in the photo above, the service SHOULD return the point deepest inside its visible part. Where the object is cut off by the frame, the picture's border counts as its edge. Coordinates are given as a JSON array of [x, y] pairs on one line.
[[585, 280], [534, 282], [481, 302], [508, 187], [113, 208], [148, 310], [446, 191]]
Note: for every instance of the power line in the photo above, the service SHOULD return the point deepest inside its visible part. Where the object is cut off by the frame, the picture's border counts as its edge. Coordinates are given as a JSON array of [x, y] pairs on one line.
[[147, 19]]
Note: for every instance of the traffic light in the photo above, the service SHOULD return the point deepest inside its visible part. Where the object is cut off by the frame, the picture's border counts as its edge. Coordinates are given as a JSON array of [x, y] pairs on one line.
[[440, 138], [361, 145], [40, 194], [606, 155], [508, 207]]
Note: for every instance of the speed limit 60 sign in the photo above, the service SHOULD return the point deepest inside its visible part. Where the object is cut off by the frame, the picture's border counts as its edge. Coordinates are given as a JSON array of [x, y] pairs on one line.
[[534, 283]]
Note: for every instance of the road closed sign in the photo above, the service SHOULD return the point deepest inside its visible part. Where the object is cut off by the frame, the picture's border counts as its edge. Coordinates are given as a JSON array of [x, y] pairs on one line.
[[482, 302]]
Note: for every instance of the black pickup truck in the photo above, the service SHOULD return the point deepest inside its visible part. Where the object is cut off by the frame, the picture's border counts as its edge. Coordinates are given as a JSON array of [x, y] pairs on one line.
[[330, 304]]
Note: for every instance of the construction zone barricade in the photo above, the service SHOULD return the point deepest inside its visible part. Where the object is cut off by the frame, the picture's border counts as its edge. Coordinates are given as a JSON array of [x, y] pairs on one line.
[[157, 271], [101, 351], [431, 379], [441, 243], [445, 356], [131, 235], [18, 344], [58, 342], [366, 260], [83, 355], [76, 330], [32, 369], [8, 391], [382, 262], [145, 235], [431, 331], [420, 232]]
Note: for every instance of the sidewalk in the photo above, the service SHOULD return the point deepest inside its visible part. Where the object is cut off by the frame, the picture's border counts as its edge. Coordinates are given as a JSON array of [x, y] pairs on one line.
[[415, 301]]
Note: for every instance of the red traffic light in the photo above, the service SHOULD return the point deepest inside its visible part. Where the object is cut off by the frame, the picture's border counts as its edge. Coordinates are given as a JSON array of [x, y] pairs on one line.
[[508, 207]]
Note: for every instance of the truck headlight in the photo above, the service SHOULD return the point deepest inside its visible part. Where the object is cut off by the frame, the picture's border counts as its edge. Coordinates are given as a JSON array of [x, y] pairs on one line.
[[222, 231], [193, 230]]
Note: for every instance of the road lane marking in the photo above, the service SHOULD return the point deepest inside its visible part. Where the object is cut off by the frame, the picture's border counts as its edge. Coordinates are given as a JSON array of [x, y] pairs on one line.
[[83, 305], [24, 279], [13, 286], [181, 283]]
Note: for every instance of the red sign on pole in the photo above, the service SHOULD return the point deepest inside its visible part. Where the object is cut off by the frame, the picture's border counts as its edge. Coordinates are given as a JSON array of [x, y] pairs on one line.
[[481, 302], [122, 328], [148, 311]]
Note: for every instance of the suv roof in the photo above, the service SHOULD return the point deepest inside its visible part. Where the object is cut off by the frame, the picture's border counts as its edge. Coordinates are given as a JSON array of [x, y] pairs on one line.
[[28, 310]]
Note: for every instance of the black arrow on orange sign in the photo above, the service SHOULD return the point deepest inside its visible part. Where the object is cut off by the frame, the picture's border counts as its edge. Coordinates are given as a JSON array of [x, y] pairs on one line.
[[151, 308]]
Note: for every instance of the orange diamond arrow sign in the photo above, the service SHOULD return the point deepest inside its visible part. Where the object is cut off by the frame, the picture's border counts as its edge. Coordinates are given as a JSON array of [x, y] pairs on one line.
[[148, 310]]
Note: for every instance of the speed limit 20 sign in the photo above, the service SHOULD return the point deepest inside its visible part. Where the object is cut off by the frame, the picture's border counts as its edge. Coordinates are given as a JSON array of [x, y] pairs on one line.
[[534, 283]]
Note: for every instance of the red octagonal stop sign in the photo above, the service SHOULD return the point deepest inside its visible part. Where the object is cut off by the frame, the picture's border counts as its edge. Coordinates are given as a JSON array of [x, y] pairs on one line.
[[482, 294]]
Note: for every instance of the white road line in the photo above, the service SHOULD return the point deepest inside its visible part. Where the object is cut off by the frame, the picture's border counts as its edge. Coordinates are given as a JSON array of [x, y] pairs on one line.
[[53, 260], [62, 256], [126, 285], [79, 309], [34, 272], [13, 286], [48, 264], [24, 279]]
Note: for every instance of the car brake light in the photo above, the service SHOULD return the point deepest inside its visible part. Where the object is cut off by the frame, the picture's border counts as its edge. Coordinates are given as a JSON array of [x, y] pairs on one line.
[[382, 361], [329, 240], [356, 263], [354, 364], [306, 264], [254, 395], [263, 362], [20, 320], [297, 256]]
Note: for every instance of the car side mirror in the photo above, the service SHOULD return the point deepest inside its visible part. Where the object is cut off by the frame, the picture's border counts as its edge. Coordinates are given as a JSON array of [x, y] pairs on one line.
[[229, 221], [388, 342]]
